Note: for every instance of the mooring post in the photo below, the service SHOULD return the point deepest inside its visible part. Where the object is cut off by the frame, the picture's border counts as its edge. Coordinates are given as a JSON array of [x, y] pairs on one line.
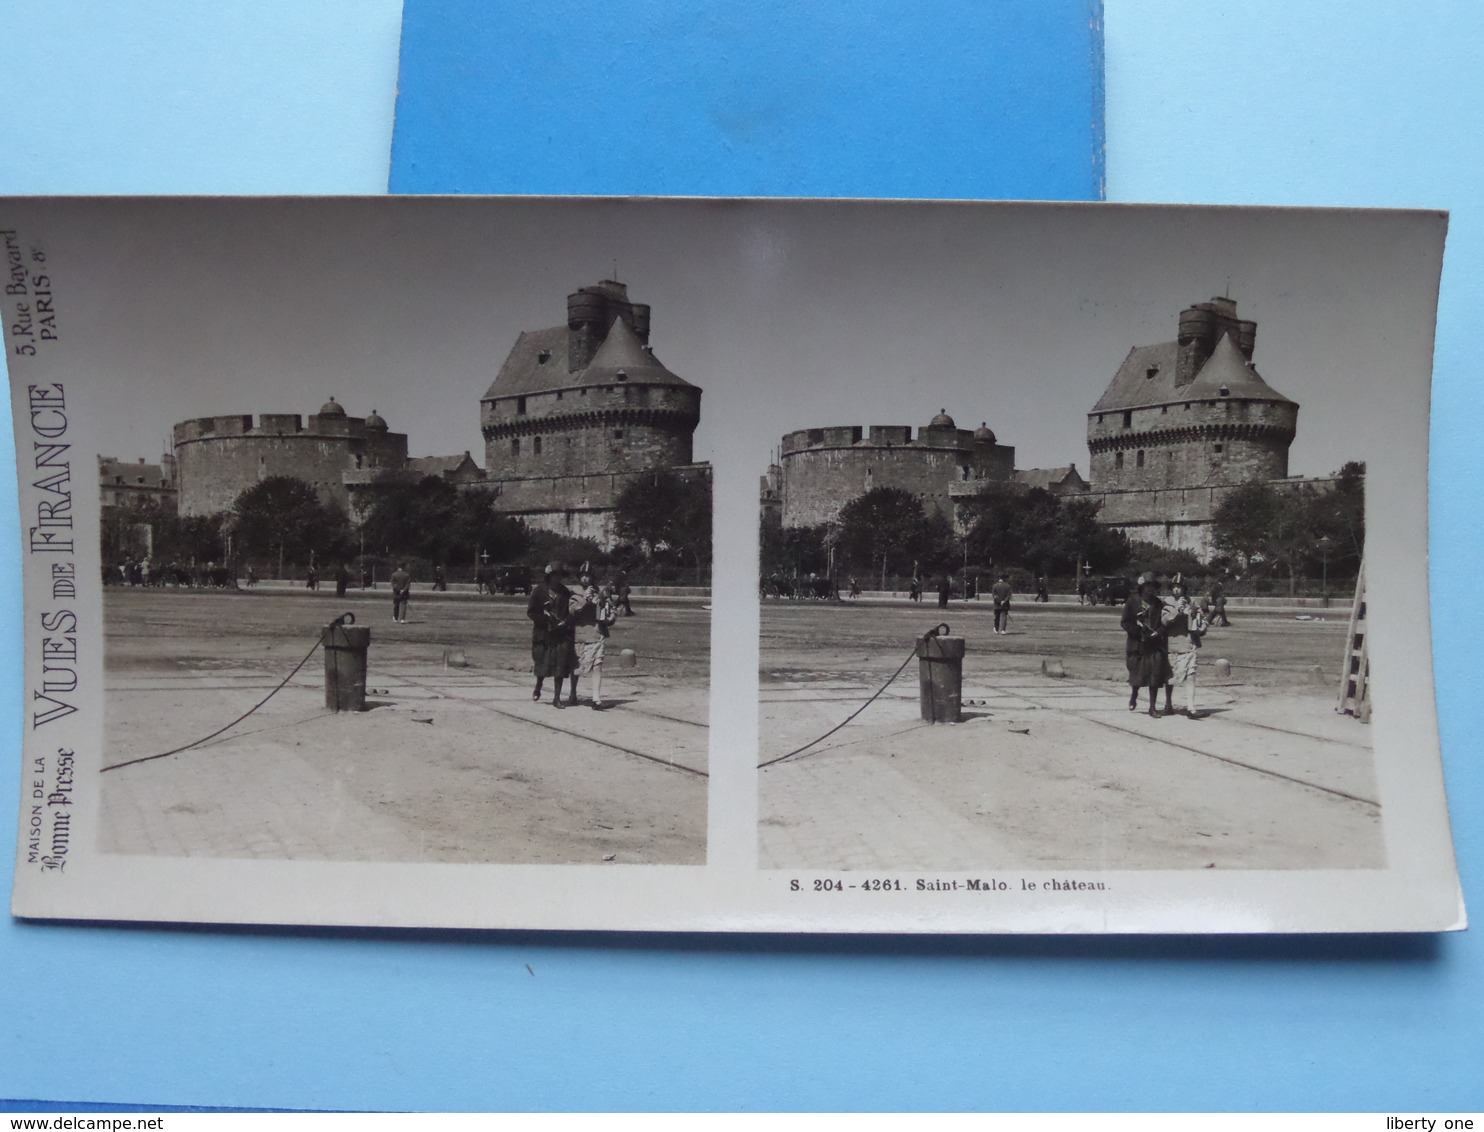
[[345, 664], [940, 675]]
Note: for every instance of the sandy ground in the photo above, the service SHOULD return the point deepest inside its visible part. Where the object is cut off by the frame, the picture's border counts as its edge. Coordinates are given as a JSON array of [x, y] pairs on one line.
[[453, 762], [1051, 772]]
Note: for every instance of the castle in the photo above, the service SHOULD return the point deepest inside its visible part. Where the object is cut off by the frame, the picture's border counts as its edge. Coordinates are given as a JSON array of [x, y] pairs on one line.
[[1180, 426], [821, 469], [575, 414], [580, 411], [218, 458]]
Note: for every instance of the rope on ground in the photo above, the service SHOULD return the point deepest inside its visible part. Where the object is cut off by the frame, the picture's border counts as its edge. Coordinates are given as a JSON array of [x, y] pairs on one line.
[[852, 715], [341, 620]]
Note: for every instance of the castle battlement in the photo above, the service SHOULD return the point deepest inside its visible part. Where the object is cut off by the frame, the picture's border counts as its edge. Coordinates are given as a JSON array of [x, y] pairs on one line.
[[221, 457], [822, 469]]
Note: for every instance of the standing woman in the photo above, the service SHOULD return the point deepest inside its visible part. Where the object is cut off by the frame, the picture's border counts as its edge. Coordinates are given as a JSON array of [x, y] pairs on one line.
[[1184, 624], [1145, 651], [552, 651], [593, 618]]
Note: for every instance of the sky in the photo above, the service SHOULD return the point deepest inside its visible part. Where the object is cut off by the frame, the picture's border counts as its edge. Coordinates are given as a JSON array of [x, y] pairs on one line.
[[788, 314]]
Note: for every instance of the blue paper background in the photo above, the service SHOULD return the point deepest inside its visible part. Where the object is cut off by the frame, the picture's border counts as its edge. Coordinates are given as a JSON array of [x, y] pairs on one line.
[[875, 98], [1334, 104]]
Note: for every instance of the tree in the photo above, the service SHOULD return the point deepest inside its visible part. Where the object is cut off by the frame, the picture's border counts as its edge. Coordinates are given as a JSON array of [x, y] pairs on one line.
[[1041, 531], [667, 513], [428, 517], [886, 529], [283, 516]]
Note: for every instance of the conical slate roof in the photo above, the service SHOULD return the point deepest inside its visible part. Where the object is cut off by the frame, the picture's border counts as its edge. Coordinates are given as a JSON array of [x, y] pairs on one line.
[[1147, 377], [622, 352], [1227, 369], [537, 363]]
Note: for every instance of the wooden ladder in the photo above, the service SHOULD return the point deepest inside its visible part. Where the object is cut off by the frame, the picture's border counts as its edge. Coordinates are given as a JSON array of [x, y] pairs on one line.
[[1355, 674]]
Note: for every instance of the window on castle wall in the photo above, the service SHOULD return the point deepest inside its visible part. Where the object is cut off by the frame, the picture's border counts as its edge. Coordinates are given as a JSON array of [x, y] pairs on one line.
[[520, 406], [1128, 418], [1139, 458], [1118, 459], [1164, 409], [1218, 448], [515, 446], [618, 434], [536, 447], [559, 394]]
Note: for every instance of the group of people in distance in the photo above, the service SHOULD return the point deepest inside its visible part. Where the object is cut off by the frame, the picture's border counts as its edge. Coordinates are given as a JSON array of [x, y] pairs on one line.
[[569, 628], [1163, 643]]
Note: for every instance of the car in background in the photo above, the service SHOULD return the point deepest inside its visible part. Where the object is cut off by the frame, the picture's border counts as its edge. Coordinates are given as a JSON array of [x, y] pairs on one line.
[[511, 580]]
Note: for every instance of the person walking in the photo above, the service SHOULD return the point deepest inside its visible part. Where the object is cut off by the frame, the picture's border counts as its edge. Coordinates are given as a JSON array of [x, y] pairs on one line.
[[945, 588], [1185, 625], [1145, 648], [1042, 595], [593, 619], [552, 651], [1218, 603], [1001, 593], [401, 593], [440, 579], [622, 589]]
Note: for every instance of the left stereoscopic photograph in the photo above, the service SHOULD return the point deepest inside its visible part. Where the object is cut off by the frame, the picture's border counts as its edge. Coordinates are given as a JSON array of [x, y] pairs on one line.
[[401, 543]]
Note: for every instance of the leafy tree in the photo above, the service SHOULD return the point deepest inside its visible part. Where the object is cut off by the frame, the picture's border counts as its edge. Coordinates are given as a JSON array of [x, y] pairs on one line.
[[886, 530], [791, 551], [1042, 532], [427, 517], [548, 546], [169, 538], [283, 516], [667, 514], [1150, 558]]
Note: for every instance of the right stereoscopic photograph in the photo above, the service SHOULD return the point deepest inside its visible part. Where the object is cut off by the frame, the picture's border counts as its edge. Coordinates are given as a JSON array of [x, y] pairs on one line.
[[1097, 541]]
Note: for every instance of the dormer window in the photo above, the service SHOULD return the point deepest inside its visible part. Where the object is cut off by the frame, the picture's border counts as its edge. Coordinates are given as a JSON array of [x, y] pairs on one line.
[[1151, 371], [543, 357], [1225, 391], [622, 375]]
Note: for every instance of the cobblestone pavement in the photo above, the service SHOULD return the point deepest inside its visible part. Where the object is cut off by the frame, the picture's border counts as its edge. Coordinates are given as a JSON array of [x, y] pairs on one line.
[[1055, 772], [453, 763]]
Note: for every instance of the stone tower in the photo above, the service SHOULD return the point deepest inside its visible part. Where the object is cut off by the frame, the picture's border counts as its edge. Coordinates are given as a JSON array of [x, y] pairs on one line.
[[1192, 413], [588, 398]]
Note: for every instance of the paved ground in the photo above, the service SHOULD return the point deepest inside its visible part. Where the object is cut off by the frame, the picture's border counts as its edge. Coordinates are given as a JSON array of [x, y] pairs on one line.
[[454, 762], [1057, 773]]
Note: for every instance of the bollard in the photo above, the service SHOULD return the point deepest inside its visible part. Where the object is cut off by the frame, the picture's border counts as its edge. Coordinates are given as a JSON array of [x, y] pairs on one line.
[[345, 665], [940, 675]]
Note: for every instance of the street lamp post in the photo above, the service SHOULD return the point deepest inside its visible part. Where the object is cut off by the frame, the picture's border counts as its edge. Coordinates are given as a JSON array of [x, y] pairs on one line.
[[1324, 544]]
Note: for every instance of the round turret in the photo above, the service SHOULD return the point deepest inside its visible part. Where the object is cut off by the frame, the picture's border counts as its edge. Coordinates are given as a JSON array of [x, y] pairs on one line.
[[1196, 324], [585, 306], [942, 420], [984, 433], [374, 423], [331, 408]]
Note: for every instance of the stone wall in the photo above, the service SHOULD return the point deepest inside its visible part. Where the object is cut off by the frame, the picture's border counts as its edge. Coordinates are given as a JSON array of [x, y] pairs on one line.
[[1180, 518], [218, 458], [590, 430], [1225, 441], [580, 506], [824, 469]]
